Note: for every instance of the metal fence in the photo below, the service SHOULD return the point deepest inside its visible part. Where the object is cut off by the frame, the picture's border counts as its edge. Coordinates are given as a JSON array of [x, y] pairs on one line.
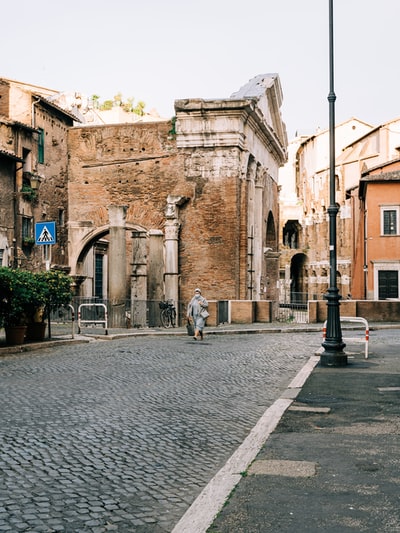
[[293, 309], [147, 313], [142, 314]]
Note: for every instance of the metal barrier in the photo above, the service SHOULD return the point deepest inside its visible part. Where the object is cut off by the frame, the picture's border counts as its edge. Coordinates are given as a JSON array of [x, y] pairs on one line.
[[360, 320], [292, 312], [71, 307], [94, 321]]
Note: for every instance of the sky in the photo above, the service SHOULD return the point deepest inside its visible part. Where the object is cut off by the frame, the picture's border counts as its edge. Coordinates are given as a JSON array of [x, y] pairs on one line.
[[159, 51]]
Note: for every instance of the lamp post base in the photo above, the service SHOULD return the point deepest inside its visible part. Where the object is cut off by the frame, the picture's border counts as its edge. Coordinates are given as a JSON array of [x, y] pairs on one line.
[[333, 359]]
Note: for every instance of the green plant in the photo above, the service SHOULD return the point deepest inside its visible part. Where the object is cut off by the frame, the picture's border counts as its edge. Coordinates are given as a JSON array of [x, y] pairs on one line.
[[28, 241], [23, 294], [172, 131], [56, 288], [29, 193], [19, 294]]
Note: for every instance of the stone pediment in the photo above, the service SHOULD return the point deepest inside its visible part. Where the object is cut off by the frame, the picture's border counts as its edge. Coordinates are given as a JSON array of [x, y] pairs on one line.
[[251, 113], [266, 90]]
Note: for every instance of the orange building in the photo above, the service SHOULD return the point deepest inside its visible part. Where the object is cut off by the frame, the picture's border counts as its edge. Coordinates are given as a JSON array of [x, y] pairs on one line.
[[377, 235]]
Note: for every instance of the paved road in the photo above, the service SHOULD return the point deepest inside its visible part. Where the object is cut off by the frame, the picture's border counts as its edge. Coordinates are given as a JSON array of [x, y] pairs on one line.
[[123, 435]]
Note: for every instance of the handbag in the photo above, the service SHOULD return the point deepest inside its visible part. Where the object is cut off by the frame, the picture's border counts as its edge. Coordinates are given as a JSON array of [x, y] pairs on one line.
[[204, 313], [190, 329]]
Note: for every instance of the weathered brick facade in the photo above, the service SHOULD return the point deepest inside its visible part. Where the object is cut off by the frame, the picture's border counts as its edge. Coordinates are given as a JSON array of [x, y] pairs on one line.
[[33, 153], [206, 181]]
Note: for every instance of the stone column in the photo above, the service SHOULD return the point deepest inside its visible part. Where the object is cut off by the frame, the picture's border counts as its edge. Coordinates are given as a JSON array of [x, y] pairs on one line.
[[258, 233], [155, 279], [251, 221], [171, 274], [139, 279], [117, 278], [272, 269]]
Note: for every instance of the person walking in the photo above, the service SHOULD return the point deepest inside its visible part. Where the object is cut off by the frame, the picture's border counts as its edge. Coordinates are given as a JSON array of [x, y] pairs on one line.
[[197, 314]]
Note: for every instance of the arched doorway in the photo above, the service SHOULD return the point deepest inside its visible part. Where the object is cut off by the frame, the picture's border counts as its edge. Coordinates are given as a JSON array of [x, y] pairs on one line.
[[143, 275], [298, 285]]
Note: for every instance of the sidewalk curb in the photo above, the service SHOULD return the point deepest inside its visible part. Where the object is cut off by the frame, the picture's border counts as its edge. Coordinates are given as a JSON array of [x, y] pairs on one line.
[[203, 511]]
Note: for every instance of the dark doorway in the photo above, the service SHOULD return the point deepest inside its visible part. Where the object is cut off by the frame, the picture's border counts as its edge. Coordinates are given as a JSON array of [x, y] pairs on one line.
[[388, 284], [298, 292]]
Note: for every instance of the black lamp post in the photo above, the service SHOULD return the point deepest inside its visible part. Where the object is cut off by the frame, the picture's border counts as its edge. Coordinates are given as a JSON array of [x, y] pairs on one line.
[[333, 343]]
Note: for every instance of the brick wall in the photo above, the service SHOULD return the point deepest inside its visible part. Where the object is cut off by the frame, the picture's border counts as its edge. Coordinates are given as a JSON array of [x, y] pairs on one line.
[[371, 310]]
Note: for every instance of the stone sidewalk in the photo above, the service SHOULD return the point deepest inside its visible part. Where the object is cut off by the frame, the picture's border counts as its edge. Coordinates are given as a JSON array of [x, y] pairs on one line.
[[333, 462]]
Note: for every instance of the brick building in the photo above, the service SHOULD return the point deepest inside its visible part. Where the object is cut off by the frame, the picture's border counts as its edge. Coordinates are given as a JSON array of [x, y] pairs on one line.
[[33, 175], [156, 209], [146, 210]]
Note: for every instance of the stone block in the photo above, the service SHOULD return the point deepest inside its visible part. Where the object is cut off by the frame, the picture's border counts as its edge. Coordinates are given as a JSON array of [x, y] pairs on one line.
[[242, 311], [263, 311]]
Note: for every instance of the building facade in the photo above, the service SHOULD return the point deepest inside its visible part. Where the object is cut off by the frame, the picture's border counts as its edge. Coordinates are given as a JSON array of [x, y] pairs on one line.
[[33, 175], [305, 197], [377, 254], [304, 228], [156, 209]]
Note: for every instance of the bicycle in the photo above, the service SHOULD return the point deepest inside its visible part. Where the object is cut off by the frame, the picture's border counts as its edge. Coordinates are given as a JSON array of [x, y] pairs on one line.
[[167, 314]]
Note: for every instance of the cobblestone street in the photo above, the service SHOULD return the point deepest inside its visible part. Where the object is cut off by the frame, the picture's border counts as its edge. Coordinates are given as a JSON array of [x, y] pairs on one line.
[[122, 435]]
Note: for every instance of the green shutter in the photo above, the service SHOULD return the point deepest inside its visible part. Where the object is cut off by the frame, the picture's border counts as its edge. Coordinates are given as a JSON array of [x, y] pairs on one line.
[[41, 146]]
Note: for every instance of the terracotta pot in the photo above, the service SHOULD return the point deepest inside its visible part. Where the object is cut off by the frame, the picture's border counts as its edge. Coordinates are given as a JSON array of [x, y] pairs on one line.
[[36, 331], [15, 334]]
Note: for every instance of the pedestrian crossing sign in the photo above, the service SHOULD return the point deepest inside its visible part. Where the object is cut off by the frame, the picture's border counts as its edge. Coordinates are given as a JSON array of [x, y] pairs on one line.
[[45, 232]]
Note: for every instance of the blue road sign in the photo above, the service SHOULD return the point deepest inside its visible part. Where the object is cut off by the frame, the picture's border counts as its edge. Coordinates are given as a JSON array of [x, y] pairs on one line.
[[45, 232]]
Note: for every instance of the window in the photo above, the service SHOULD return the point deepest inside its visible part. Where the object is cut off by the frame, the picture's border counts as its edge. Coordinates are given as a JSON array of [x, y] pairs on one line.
[[41, 146], [291, 234], [61, 217], [98, 275], [390, 220], [26, 228]]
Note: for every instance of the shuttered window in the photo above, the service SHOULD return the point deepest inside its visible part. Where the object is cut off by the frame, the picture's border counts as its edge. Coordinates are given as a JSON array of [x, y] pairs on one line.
[[41, 146], [98, 275], [26, 227], [390, 220]]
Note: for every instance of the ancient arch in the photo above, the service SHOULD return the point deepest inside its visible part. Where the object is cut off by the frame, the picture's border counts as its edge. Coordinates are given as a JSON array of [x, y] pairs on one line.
[[271, 259], [270, 234], [133, 263], [83, 261]]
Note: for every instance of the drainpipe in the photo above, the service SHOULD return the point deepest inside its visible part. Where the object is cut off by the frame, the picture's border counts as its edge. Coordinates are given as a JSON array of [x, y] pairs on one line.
[[33, 111], [365, 266]]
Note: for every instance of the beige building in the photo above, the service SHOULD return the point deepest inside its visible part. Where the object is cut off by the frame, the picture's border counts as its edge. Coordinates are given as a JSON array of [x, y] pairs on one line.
[[304, 221], [304, 228], [33, 170]]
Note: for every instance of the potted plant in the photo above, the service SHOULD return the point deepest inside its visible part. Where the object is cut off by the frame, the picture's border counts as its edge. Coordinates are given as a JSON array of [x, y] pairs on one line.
[[19, 293], [28, 241], [28, 298], [55, 289], [29, 193]]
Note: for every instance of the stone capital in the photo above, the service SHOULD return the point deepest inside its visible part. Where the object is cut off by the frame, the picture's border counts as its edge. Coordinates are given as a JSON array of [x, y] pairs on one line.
[[171, 230], [172, 203]]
